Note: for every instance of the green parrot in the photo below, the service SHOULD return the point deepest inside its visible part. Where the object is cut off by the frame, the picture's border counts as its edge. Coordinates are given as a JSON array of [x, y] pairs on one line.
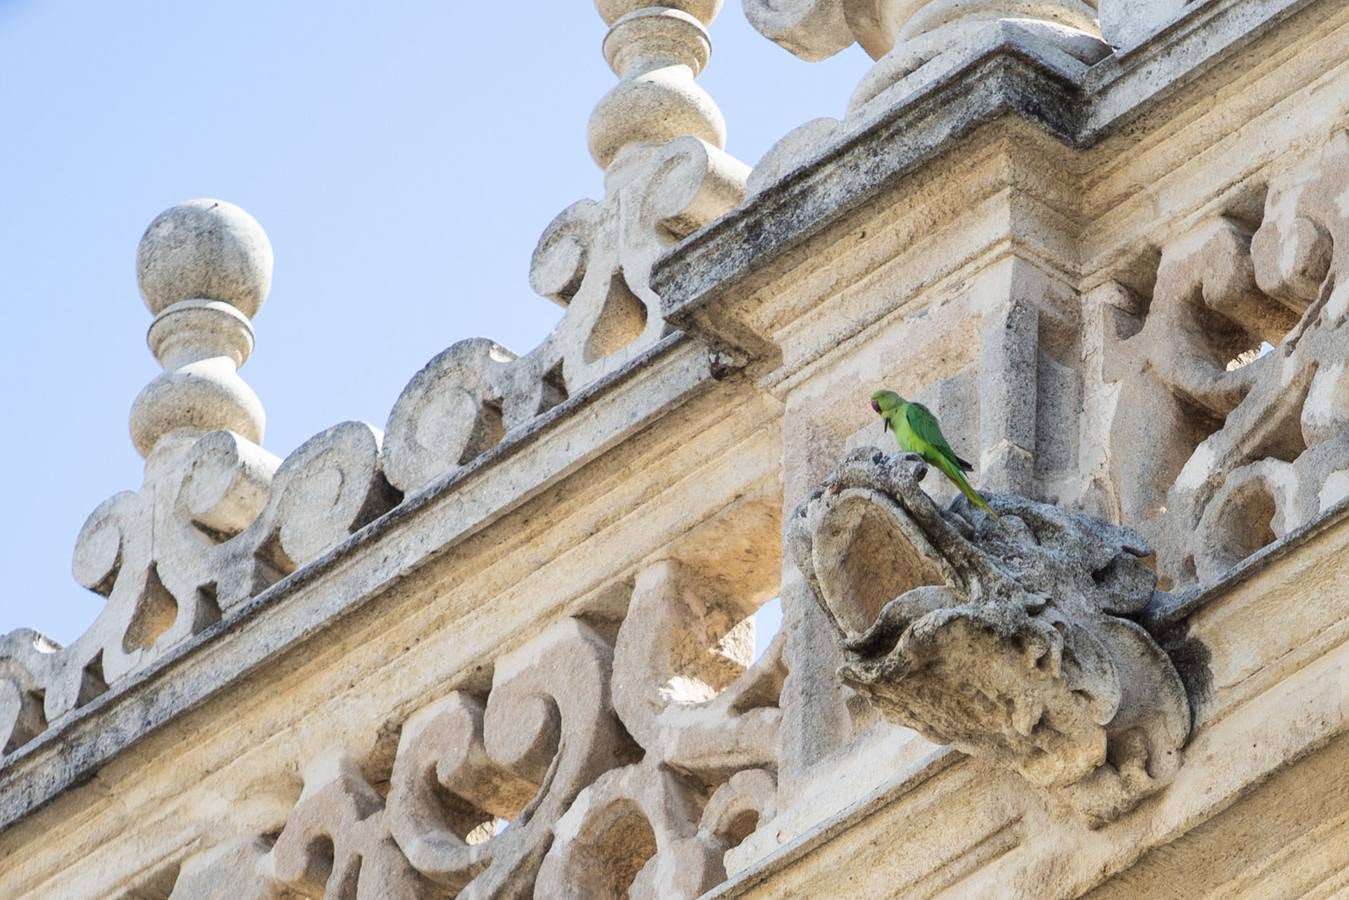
[[916, 430]]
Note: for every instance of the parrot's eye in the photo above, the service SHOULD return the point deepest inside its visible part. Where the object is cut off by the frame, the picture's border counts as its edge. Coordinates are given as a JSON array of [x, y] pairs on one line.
[[876, 405]]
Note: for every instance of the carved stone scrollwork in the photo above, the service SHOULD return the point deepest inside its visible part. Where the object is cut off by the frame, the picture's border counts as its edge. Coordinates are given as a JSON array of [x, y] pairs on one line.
[[25, 664], [336, 843], [659, 137], [627, 769], [594, 260], [218, 521], [1010, 640], [1174, 374], [218, 517], [546, 732], [1248, 443], [708, 725]]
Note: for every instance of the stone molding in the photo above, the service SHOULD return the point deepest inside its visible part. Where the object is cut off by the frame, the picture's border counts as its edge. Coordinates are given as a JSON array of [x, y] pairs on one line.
[[293, 608], [596, 259], [905, 36], [1006, 75]]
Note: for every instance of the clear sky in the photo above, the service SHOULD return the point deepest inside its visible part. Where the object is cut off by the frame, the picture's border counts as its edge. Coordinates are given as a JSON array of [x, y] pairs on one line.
[[403, 156]]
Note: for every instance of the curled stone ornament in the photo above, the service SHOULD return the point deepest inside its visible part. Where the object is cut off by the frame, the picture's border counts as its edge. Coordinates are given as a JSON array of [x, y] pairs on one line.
[[626, 769], [1011, 641], [659, 138], [1249, 328], [217, 518]]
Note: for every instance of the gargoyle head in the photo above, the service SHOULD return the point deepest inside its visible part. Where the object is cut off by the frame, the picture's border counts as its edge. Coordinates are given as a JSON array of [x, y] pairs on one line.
[[1005, 639]]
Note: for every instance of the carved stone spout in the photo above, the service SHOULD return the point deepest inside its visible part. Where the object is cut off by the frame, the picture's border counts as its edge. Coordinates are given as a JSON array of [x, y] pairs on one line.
[[1009, 640]]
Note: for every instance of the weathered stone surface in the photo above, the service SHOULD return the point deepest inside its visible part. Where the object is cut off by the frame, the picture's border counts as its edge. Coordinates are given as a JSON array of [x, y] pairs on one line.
[[218, 517], [547, 742], [1009, 639], [906, 37], [205, 268], [204, 250], [505, 650], [1265, 454], [1126, 23]]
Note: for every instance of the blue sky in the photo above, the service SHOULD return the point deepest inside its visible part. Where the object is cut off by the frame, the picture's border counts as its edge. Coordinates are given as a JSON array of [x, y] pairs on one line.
[[403, 156]]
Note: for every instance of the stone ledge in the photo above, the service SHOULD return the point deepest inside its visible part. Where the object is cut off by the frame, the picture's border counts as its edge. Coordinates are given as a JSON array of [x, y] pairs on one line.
[[1006, 78], [913, 779], [1168, 610], [1123, 86], [810, 199], [296, 608]]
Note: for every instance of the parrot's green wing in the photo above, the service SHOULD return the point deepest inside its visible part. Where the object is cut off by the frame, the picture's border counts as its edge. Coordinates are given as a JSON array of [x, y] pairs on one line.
[[924, 425]]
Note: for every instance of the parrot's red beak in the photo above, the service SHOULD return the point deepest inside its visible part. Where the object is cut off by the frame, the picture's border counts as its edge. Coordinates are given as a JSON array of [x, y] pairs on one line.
[[875, 404]]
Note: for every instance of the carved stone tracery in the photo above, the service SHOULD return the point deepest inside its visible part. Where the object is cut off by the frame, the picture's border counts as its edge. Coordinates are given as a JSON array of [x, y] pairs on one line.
[[1250, 442], [581, 745]]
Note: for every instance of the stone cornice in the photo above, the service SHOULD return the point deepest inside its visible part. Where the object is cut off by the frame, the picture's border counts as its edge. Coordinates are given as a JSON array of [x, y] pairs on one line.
[[350, 574], [1077, 105]]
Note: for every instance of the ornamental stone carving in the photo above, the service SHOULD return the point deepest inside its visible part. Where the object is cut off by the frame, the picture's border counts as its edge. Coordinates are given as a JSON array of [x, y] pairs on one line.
[[591, 768], [218, 517], [1246, 330], [659, 138], [1010, 640], [917, 45]]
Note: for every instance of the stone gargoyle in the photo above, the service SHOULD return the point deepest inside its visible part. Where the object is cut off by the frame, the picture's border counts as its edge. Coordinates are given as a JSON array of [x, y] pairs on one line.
[[1008, 639]]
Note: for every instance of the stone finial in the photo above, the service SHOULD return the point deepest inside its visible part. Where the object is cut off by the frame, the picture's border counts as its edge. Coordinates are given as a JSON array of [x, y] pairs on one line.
[[656, 49], [658, 137], [204, 269]]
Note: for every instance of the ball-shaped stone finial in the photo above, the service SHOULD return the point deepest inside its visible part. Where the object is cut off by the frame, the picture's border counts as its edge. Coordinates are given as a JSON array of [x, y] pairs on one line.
[[204, 250], [204, 269]]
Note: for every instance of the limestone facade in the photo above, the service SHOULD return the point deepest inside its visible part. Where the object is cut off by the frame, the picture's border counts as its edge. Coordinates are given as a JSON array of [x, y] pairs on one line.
[[503, 645]]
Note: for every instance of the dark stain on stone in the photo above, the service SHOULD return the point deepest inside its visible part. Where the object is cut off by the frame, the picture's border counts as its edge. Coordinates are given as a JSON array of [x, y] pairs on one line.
[[1191, 657]]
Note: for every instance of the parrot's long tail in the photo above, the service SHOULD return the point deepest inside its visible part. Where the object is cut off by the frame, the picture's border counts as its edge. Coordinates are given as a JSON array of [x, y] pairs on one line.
[[958, 478]]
